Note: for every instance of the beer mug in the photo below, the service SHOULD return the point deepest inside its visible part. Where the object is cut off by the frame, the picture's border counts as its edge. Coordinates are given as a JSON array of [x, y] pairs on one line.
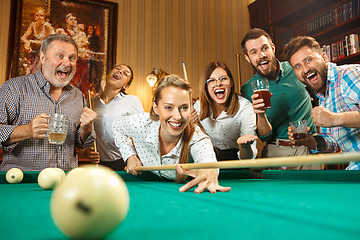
[[261, 87], [58, 128]]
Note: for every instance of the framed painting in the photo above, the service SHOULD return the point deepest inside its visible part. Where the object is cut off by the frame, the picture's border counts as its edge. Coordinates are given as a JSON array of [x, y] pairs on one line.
[[91, 23]]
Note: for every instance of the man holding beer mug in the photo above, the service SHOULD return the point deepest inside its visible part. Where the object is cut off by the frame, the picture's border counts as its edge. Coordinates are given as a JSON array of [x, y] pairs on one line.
[[289, 99], [337, 87], [27, 103]]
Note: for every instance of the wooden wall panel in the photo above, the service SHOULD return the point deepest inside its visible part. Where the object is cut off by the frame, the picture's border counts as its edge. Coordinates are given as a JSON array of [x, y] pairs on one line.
[[4, 33], [165, 33]]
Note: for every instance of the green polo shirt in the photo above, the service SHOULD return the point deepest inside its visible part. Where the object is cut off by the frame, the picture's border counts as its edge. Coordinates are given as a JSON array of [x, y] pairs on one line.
[[289, 102]]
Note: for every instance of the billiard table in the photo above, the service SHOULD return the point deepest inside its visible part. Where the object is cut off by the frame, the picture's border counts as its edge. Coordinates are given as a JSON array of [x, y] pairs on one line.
[[283, 205]]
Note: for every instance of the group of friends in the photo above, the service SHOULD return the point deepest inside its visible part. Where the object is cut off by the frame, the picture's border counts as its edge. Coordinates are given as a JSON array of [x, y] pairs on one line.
[[220, 125]]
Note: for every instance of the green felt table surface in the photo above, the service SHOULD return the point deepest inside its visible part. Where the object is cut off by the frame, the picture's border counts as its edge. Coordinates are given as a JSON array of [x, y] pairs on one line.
[[283, 205]]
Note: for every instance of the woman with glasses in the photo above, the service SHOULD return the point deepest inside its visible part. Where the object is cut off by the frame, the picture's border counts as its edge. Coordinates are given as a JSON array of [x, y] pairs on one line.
[[226, 117], [166, 136], [112, 103]]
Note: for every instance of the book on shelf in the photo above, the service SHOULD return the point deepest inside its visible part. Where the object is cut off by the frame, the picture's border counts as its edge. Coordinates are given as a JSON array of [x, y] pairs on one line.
[[354, 43], [332, 17], [345, 47]]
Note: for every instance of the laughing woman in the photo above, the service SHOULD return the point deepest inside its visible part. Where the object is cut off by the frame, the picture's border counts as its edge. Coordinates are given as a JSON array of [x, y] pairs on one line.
[[112, 103], [226, 117], [166, 136]]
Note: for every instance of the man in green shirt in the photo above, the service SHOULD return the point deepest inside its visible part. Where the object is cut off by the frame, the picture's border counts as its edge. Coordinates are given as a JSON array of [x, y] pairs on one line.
[[290, 101]]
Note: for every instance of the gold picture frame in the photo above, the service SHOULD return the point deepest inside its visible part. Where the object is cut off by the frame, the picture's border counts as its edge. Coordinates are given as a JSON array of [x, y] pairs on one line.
[[91, 23]]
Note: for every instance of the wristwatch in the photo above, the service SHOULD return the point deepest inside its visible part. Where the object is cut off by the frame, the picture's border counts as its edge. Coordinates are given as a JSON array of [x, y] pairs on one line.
[[320, 143]]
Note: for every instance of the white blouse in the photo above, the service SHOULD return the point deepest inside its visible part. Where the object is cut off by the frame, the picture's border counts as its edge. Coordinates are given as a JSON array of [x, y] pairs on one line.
[[226, 129], [145, 134], [120, 105]]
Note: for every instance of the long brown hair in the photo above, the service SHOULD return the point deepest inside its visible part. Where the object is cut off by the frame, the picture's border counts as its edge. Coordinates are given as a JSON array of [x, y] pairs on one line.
[[176, 81], [232, 103]]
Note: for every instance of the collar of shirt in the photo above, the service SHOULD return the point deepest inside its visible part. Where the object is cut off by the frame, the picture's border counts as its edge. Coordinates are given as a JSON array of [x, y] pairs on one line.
[[331, 79], [45, 84], [119, 95], [153, 138]]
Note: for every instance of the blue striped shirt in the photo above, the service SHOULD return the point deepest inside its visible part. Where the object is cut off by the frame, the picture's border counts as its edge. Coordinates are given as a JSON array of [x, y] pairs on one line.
[[22, 99], [342, 95]]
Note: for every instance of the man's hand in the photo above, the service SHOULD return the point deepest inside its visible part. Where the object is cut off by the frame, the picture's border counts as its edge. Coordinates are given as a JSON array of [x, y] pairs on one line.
[[323, 117], [93, 156], [308, 141], [204, 178], [86, 122], [87, 118], [258, 104], [38, 127]]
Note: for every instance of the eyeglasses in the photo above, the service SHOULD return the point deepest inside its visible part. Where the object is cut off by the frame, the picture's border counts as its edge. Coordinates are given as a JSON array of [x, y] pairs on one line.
[[211, 82]]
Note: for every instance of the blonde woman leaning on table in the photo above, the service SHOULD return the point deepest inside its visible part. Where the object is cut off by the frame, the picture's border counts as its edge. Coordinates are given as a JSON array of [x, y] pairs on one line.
[[166, 136]]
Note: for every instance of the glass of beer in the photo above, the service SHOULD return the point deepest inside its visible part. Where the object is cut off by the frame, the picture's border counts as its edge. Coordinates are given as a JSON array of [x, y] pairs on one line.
[[261, 87], [58, 128], [299, 129]]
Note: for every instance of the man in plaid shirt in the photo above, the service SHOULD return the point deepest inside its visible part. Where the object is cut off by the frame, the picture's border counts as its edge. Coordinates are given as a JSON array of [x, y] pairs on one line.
[[338, 89], [27, 102]]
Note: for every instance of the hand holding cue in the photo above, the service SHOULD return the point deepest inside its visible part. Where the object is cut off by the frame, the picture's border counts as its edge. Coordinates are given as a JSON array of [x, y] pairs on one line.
[[263, 162]]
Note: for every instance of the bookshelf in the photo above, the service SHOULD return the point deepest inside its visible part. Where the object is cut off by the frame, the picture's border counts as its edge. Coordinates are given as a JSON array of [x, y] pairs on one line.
[[328, 21]]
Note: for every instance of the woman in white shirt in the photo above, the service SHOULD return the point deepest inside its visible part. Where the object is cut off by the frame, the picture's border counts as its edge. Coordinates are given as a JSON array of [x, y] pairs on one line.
[[166, 136], [226, 117], [112, 103]]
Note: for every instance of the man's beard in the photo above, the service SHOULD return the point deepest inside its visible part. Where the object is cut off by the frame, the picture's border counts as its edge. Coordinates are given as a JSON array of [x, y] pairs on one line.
[[271, 73], [322, 75]]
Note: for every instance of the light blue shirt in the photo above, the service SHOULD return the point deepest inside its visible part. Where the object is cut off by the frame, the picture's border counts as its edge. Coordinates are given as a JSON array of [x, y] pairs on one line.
[[342, 95]]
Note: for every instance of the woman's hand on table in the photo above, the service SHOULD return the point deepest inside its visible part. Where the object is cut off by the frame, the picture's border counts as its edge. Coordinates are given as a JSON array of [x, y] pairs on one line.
[[203, 178]]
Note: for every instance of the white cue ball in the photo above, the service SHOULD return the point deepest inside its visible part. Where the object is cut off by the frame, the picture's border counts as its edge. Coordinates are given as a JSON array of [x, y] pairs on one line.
[[61, 173], [90, 203], [74, 171], [14, 175], [49, 178]]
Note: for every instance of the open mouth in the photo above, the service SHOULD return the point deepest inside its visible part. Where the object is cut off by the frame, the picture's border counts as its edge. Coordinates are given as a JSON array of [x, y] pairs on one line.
[[312, 77], [175, 125], [117, 76], [264, 62], [63, 73], [220, 93]]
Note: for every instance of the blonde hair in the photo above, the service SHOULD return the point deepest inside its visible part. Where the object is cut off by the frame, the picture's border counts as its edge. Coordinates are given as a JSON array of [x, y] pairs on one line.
[[176, 81]]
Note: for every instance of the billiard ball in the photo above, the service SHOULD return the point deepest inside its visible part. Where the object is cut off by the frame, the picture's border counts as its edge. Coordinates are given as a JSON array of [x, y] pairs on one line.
[[74, 171], [89, 203], [14, 175], [49, 178], [60, 172]]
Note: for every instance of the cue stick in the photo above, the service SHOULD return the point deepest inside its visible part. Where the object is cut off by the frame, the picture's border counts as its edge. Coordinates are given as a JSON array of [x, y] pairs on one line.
[[184, 69], [238, 69], [263, 162], [90, 106]]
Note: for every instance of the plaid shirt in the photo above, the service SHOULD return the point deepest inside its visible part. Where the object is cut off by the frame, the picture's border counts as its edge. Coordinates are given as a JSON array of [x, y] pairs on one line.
[[24, 98], [342, 95]]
